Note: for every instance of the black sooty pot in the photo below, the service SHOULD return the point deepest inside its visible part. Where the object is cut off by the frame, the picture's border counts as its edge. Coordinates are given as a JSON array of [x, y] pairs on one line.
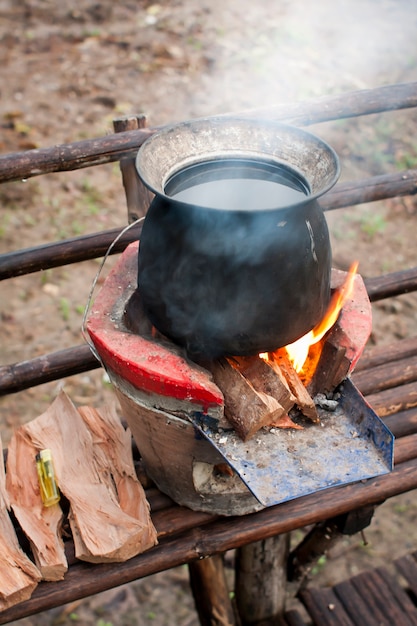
[[235, 256]]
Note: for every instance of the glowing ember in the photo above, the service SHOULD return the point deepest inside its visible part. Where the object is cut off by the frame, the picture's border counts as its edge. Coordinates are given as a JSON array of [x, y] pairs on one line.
[[298, 351]]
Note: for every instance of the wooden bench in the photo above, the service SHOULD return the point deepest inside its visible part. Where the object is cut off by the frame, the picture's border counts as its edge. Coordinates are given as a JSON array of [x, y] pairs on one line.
[[386, 375], [358, 600]]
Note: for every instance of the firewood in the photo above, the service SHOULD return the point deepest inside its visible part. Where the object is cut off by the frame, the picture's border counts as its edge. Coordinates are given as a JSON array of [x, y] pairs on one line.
[[245, 409], [279, 416], [18, 575], [303, 399], [266, 377], [42, 525], [102, 530], [333, 366], [113, 445], [285, 421]]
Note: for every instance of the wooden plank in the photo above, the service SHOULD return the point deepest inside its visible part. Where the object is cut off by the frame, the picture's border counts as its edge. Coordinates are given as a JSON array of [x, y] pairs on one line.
[[71, 156], [111, 148], [399, 595], [86, 579], [355, 605], [393, 400], [353, 104], [324, 607], [387, 375], [407, 566], [377, 355], [402, 423], [158, 501], [55, 365], [42, 369], [376, 592], [370, 190], [365, 586], [390, 285], [405, 448], [176, 519], [74, 250]]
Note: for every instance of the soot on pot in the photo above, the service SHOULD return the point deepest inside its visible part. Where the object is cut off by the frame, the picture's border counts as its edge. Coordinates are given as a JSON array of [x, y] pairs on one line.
[[234, 258]]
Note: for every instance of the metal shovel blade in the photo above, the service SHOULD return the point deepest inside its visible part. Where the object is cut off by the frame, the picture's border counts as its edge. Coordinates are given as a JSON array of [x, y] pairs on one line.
[[349, 444]]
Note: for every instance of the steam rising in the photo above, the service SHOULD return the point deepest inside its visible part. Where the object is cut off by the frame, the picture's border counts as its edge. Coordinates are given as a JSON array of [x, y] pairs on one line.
[[302, 49]]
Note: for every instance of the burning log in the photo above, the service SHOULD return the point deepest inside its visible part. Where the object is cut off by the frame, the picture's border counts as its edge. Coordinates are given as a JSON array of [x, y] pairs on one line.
[[103, 531], [19, 576], [267, 378], [245, 408], [303, 399], [42, 525]]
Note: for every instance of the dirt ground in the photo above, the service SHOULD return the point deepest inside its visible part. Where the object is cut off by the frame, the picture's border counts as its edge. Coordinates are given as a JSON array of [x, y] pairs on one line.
[[68, 69]]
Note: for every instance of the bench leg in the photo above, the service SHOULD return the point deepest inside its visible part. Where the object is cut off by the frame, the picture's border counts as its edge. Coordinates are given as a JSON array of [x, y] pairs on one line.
[[211, 593], [261, 576]]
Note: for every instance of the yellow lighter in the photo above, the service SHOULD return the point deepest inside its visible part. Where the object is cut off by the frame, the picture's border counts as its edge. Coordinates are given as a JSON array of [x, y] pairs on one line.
[[47, 481]]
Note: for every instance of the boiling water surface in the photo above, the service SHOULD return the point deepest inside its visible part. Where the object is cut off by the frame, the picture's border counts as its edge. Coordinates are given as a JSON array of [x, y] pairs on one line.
[[237, 184]]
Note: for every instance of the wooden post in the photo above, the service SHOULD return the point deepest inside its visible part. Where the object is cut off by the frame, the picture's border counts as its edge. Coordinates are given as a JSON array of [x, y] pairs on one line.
[[261, 575], [210, 591], [138, 197]]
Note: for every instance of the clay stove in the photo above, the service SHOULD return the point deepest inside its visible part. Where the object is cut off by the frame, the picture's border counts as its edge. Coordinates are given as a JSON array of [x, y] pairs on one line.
[[176, 412]]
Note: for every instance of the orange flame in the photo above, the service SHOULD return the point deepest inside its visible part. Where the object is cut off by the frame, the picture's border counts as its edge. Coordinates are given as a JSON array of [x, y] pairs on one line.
[[298, 351]]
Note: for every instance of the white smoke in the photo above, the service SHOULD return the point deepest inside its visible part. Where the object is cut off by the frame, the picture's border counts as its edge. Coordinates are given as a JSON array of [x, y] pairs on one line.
[[294, 50]]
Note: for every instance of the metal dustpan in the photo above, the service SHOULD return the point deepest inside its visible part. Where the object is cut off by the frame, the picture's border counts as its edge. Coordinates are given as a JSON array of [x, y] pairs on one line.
[[350, 443]]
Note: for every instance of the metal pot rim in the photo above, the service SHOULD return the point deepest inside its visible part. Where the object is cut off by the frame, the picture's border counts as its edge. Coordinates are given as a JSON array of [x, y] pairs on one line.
[[177, 146]]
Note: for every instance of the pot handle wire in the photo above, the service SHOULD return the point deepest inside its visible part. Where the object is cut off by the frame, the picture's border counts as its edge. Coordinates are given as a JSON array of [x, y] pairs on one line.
[[93, 286]]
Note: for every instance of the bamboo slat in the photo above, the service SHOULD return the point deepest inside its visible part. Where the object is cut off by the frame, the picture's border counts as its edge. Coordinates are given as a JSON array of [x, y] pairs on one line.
[[80, 154], [387, 375], [392, 400], [377, 355], [43, 369], [74, 250]]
